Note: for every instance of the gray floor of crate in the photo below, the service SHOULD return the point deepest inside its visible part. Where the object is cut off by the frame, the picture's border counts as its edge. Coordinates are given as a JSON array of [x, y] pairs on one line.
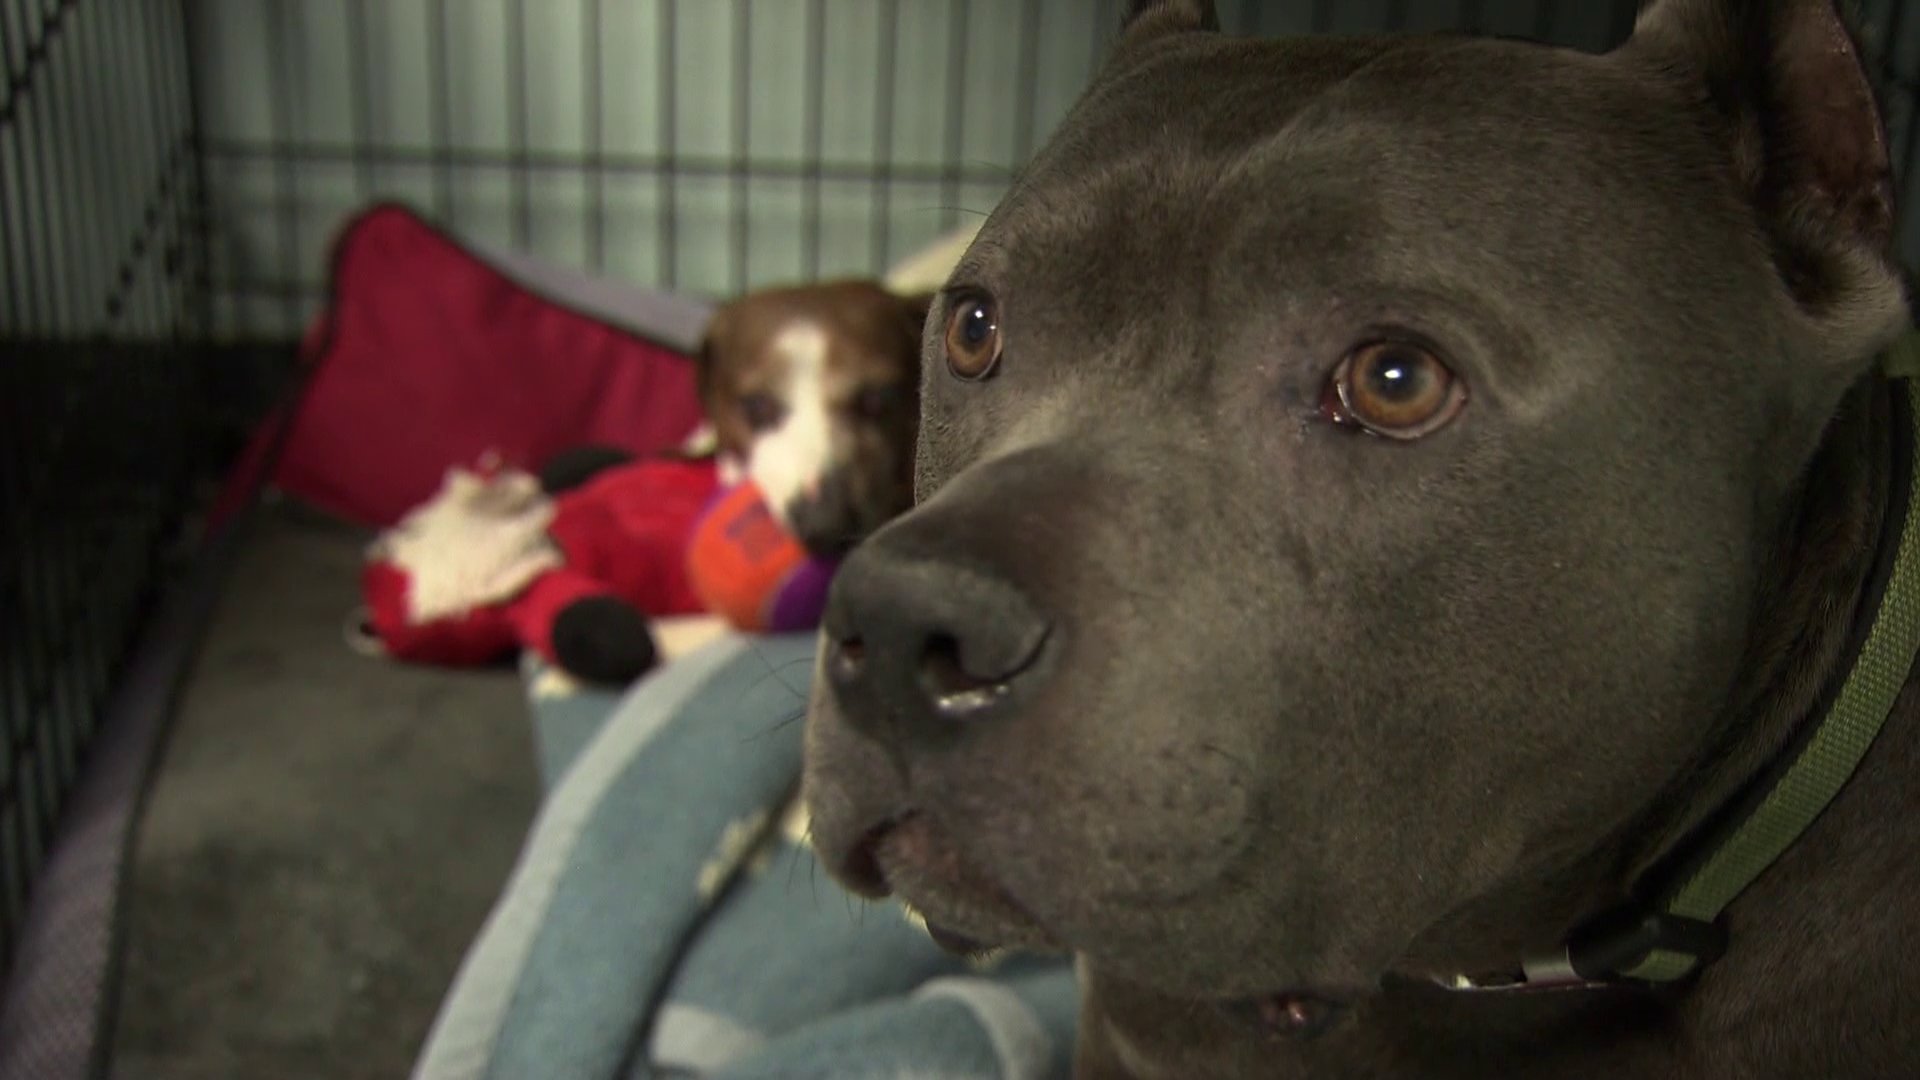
[[325, 836]]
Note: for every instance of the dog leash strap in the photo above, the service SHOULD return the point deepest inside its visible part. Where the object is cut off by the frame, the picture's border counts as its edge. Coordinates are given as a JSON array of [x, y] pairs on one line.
[[1843, 737]]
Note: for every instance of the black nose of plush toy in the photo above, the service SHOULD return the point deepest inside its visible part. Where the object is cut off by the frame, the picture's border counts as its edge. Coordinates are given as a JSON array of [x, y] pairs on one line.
[[920, 646]]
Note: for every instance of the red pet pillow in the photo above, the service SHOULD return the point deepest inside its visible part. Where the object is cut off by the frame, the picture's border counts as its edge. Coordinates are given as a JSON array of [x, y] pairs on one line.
[[430, 356]]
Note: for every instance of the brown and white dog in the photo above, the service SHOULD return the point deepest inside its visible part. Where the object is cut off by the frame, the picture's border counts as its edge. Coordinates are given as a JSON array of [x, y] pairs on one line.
[[813, 394]]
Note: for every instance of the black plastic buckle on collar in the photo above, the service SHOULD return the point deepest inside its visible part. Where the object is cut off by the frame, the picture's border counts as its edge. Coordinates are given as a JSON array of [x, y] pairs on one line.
[[1600, 953], [1607, 948]]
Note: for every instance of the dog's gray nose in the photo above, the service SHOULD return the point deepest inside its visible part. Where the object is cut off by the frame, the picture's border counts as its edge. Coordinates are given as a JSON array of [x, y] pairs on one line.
[[919, 642]]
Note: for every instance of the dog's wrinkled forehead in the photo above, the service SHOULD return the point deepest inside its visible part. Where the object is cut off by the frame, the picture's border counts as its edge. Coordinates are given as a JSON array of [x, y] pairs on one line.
[[1310, 170], [1217, 218]]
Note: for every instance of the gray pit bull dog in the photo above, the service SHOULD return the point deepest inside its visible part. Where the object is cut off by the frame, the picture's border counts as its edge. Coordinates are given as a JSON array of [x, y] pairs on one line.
[[1409, 533]]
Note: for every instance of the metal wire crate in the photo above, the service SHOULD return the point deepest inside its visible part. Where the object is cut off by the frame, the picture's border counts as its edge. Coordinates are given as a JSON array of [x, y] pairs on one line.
[[103, 306], [171, 172], [711, 146]]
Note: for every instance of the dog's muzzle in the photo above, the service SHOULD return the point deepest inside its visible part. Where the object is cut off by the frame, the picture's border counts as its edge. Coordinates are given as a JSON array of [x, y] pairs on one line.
[[828, 519]]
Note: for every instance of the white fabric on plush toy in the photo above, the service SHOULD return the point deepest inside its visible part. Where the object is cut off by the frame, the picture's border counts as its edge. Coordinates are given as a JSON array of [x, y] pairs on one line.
[[481, 539]]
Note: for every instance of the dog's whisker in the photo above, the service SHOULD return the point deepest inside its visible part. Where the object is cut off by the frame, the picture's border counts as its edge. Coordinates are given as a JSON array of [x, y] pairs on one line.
[[793, 864], [1223, 752], [784, 722], [777, 672], [959, 210]]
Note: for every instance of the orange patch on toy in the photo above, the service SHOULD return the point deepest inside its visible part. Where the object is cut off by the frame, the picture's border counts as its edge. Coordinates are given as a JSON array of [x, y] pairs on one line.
[[740, 556]]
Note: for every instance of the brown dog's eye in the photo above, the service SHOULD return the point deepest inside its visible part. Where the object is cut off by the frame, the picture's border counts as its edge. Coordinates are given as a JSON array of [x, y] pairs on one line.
[[1395, 389], [761, 411], [973, 338]]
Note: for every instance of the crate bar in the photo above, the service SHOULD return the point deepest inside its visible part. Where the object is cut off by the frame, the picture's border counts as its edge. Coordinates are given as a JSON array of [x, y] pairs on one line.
[[360, 96], [1889, 59], [739, 192], [1026, 83], [133, 301], [16, 878], [64, 707], [1249, 17], [89, 229], [32, 52], [812, 150], [517, 120], [880, 182], [63, 215], [22, 284], [52, 597], [22, 179], [953, 126], [138, 301], [593, 88], [1912, 155], [1106, 25], [1625, 14], [634, 164], [664, 220], [1545, 18], [440, 114], [286, 183], [185, 251], [1889, 62], [198, 211]]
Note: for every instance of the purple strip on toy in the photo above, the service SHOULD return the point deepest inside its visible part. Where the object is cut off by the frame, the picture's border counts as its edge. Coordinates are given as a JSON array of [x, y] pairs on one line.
[[798, 604]]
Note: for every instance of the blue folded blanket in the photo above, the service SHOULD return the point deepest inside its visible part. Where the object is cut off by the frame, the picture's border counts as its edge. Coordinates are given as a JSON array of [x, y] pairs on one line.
[[667, 920]]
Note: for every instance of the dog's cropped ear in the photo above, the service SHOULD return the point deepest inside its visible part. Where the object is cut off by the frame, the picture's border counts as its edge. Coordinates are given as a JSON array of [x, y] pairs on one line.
[[1786, 82], [1169, 16], [1151, 20]]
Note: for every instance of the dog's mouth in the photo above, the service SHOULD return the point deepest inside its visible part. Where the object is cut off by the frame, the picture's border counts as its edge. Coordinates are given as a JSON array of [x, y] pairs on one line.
[[967, 910], [1287, 1015], [970, 913]]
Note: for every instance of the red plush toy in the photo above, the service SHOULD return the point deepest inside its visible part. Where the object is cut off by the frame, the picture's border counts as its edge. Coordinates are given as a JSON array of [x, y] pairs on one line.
[[573, 564]]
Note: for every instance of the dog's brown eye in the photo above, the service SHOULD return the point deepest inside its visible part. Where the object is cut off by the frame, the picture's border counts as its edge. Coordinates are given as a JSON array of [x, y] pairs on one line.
[[761, 411], [973, 338], [1395, 389]]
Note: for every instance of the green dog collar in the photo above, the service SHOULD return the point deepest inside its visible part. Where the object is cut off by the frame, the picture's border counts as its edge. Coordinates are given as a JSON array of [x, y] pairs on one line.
[[1675, 932]]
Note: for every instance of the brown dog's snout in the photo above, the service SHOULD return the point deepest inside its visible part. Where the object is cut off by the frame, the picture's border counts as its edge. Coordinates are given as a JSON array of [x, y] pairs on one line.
[[826, 521], [917, 645]]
